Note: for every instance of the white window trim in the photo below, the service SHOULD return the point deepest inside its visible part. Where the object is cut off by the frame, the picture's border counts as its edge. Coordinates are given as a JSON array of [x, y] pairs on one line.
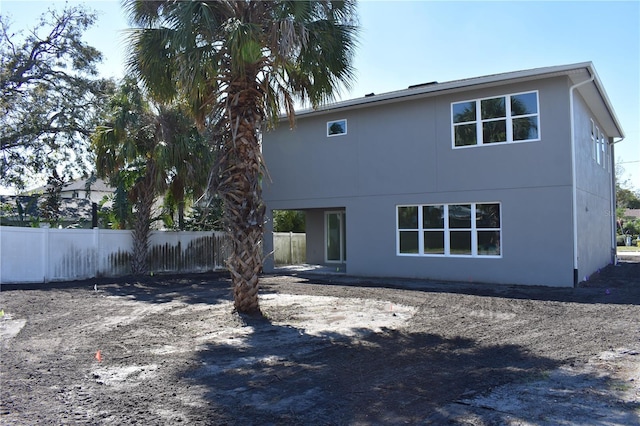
[[337, 134], [598, 146], [447, 232], [594, 141], [603, 149], [509, 121]]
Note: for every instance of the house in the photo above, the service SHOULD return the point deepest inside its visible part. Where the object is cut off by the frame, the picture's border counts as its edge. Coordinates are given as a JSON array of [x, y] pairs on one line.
[[93, 190], [76, 204], [505, 178]]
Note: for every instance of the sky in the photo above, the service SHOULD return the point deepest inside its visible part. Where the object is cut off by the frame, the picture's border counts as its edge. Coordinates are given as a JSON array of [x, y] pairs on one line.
[[402, 43]]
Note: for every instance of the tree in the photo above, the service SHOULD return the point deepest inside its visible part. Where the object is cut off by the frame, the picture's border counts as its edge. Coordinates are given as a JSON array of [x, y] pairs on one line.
[[245, 62], [288, 221], [188, 157], [626, 197], [50, 208], [50, 97], [142, 149]]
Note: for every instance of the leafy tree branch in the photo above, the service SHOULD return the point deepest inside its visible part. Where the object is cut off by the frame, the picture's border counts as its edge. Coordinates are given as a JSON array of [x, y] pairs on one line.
[[51, 97]]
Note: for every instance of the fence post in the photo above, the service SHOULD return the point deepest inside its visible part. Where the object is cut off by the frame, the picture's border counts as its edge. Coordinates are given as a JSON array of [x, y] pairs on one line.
[[45, 254], [290, 260], [96, 251]]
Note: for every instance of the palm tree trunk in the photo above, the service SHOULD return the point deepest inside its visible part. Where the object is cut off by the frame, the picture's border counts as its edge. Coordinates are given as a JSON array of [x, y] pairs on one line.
[[181, 215], [139, 259], [241, 190]]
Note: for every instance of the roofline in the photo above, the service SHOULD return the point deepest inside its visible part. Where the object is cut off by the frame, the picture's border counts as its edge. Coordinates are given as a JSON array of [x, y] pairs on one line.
[[430, 89], [605, 99]]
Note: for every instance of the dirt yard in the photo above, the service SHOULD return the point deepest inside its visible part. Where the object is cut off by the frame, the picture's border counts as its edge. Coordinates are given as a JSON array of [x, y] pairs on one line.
[[331, 350]]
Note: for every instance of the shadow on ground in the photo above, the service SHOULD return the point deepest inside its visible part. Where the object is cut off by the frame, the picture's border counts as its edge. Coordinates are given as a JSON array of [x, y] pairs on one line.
[[172, 351], [281, 375]]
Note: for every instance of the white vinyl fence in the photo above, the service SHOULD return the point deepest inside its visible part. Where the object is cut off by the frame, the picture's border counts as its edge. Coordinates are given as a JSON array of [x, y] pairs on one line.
[[289, 248], [40, 255]]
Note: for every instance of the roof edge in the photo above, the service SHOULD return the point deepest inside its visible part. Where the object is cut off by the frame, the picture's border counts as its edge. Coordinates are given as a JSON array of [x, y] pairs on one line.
[[421, 90]]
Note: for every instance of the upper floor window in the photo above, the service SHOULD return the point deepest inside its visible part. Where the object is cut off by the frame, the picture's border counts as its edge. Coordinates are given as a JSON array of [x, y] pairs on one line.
[[336, 128], [502, 119], [598, 146]]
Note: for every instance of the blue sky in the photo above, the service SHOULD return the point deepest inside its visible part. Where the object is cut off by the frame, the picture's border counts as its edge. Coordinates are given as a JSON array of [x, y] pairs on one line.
[[411, 42]]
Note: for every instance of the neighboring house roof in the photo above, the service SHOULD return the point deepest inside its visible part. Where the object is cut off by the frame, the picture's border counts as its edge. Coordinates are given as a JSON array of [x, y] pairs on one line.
[[80, 185], [632, 213], [593, 93], [77, 185]]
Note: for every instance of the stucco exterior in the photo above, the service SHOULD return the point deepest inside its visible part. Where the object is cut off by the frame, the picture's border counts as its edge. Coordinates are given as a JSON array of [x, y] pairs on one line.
[[398, 150]]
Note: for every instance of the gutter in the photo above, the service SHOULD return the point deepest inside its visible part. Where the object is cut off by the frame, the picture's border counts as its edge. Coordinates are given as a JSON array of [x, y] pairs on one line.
[[574, 189]]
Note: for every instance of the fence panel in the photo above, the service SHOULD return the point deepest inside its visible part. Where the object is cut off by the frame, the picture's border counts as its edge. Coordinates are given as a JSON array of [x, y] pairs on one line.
[[289, 248], [72, 254], [31, 255], [22, 253], [114, 252], [187, 251]]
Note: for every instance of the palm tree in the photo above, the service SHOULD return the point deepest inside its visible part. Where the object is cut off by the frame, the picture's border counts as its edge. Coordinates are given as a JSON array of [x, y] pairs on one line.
[[188, 157], [150, 145], [245, 62]]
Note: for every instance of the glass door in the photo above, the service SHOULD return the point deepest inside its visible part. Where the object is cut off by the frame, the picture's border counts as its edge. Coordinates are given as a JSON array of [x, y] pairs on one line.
[[335, 237]]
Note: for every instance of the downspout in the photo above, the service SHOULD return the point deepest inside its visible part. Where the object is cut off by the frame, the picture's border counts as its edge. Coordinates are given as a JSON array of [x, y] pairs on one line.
[[574, 189], [614, 219]]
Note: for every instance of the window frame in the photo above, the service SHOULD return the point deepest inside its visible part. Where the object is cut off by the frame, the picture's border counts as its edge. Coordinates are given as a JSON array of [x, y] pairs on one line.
[[331, 122], [603, 150], [594, 141], [447, 230], [508, 119]]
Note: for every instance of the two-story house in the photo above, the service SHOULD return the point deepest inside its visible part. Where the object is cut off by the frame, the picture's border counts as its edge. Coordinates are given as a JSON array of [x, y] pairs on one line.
[[506, 178]]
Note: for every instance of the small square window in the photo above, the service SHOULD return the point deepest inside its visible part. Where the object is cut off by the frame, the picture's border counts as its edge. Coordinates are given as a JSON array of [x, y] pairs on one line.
[[336, 128]]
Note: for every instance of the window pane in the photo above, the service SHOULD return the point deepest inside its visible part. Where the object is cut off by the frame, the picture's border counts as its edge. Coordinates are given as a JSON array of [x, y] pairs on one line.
[[489, 243], [460, 216], [464, 112], [336, 127], [493, 108], [526, 103], [525, 128], [433, 217], [460, 242], [333, 236], [434, 242], [409, 242], [494, 131], [408, 217], [465, 134], [488, 215]]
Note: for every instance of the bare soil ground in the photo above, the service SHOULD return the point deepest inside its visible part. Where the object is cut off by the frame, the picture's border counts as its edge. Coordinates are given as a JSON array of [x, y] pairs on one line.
[[330, 350]]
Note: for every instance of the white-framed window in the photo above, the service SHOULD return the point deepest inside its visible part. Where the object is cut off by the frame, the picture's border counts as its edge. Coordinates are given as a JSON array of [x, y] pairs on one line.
[[598, 146], [499, 119], [603, 149], [471, 229], [336, 128], [594, 141]]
